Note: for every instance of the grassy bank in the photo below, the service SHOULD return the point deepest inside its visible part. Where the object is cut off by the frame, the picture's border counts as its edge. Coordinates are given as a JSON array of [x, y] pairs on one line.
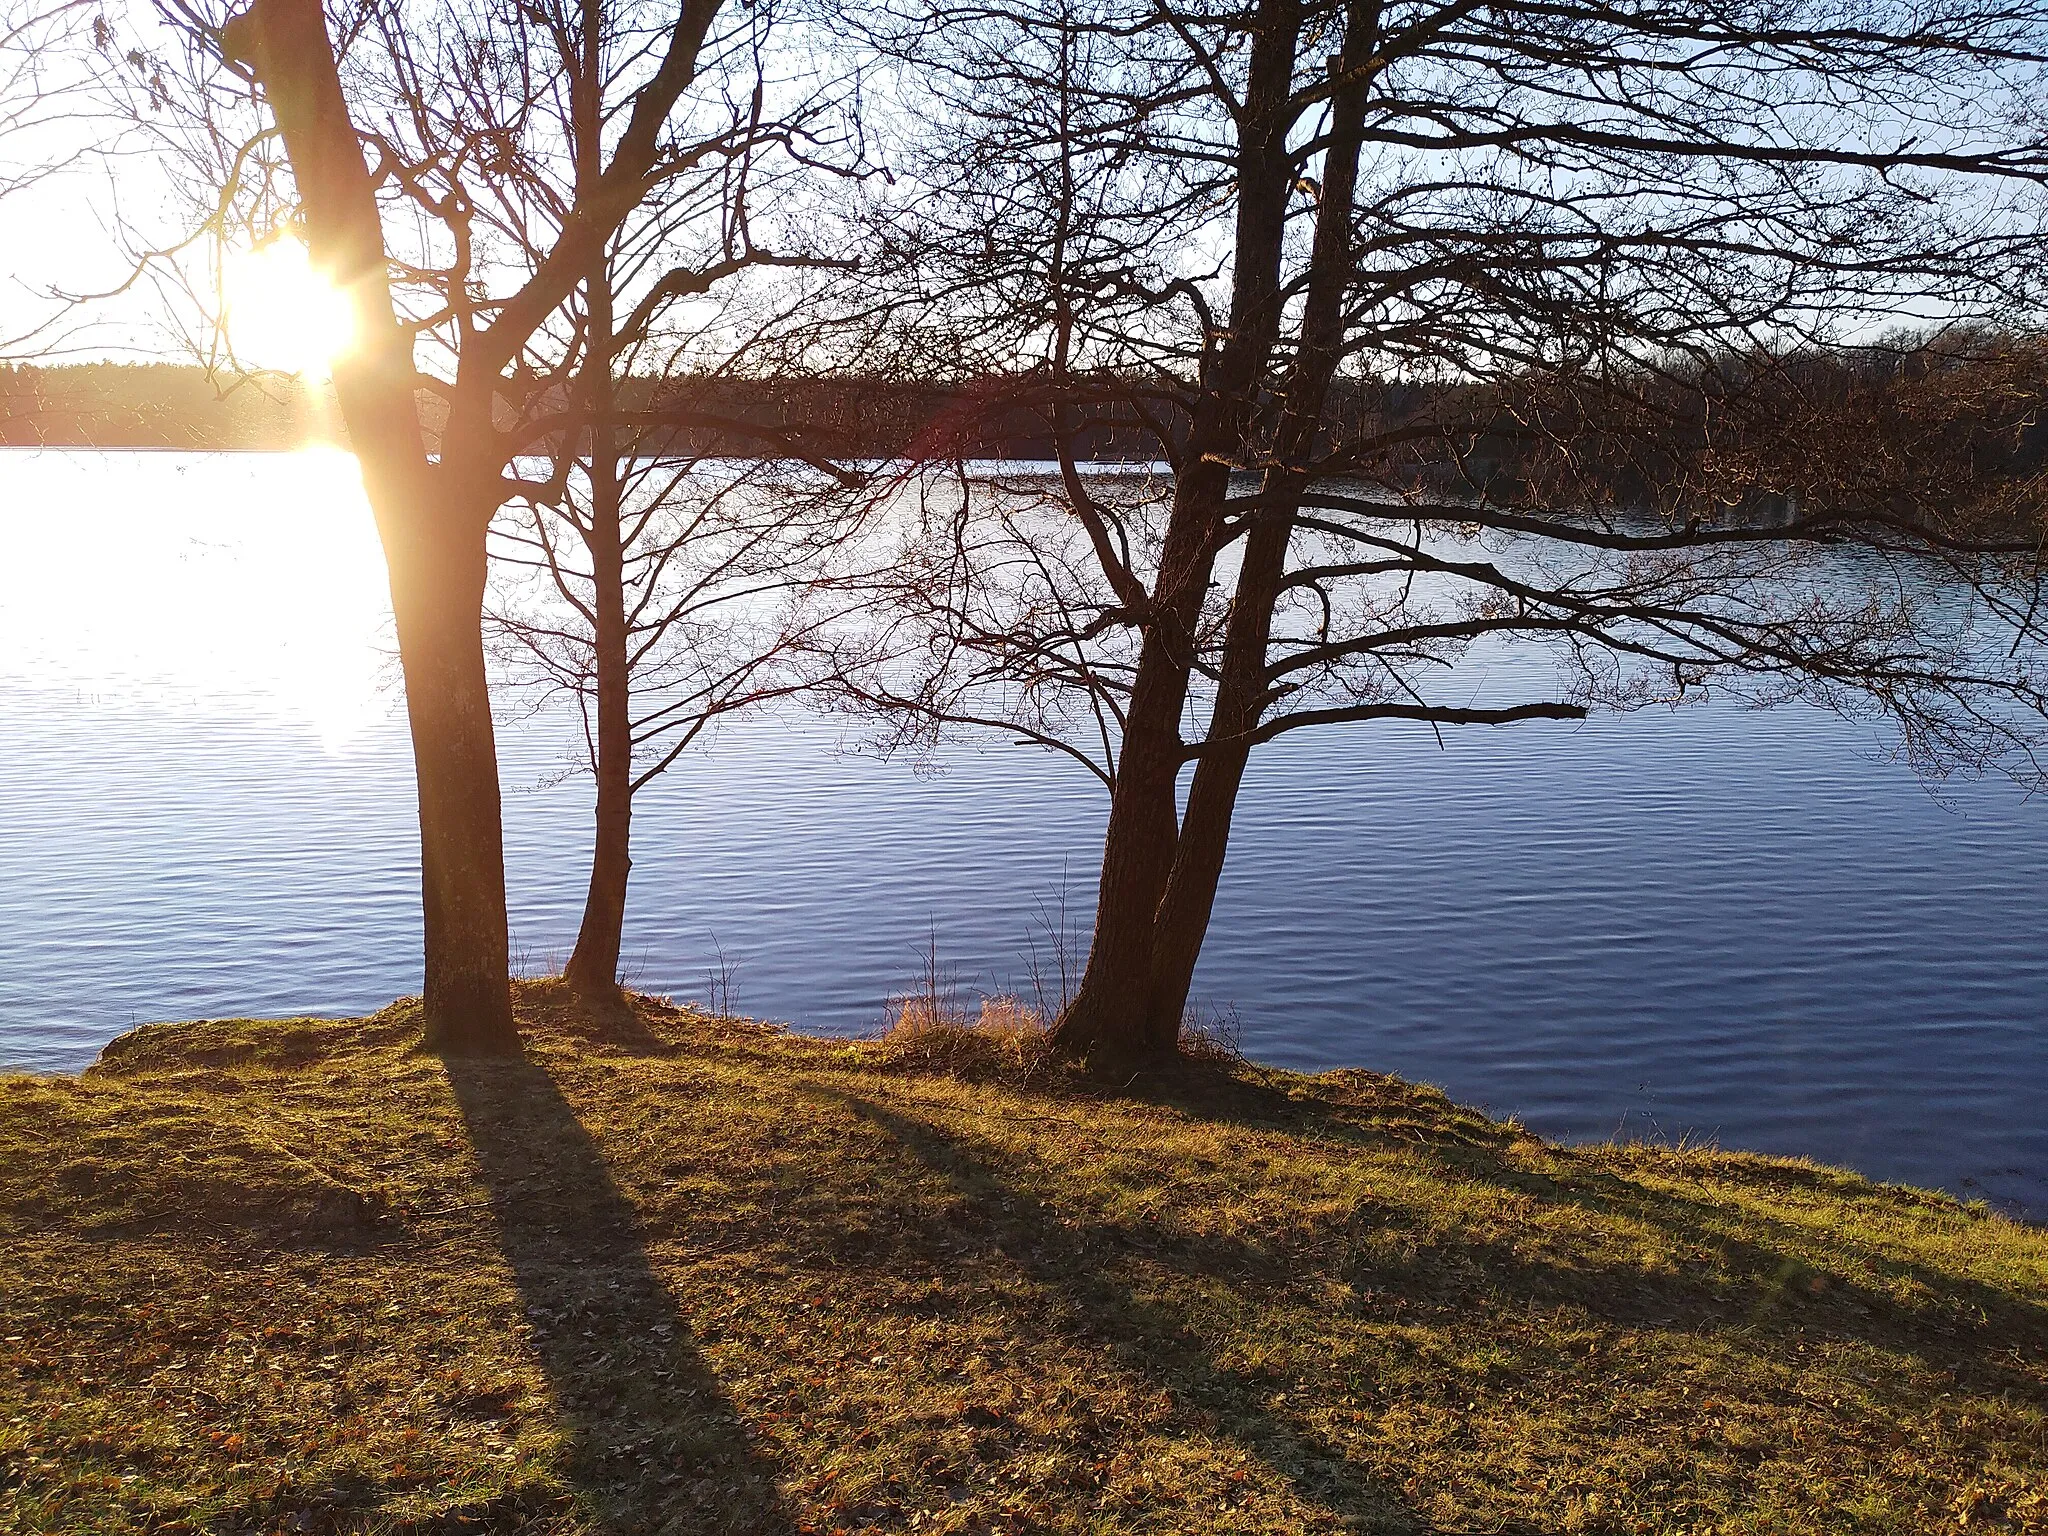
[[702, 1276]]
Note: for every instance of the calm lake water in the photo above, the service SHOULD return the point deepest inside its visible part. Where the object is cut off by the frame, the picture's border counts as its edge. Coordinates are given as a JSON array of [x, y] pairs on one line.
[[1718, 923]]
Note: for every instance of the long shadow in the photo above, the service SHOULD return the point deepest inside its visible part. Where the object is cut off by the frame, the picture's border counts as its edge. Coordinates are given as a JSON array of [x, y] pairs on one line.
[[657, 1445], [1979, 1318], [1065, 1260], [1150, 1338]]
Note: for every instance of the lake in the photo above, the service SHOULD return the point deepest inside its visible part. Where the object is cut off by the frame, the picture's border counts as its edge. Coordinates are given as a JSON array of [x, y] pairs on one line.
[[1738, 926]]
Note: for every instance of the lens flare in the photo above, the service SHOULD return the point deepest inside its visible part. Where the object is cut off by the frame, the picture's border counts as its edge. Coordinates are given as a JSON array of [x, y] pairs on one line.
[[282, 312]]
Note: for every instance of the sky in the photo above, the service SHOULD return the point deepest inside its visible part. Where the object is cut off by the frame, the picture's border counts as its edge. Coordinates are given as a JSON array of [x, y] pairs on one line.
[[76, 232], [58, 227]]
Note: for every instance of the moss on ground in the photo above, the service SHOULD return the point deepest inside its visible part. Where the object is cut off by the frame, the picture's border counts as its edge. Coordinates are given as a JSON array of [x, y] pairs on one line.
[[682, 1275]]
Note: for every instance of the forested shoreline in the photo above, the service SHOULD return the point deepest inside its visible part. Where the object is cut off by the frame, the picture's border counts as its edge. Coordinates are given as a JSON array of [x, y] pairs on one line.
[[186, 407], [1960, 419]]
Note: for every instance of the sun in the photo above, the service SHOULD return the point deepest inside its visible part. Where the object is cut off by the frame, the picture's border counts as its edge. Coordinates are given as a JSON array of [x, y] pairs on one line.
[[282, 312]]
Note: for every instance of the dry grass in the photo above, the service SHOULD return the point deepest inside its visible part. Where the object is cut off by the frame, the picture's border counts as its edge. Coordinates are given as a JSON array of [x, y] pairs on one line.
[[1211, 1039], [1005, 1040], [674, 1274]]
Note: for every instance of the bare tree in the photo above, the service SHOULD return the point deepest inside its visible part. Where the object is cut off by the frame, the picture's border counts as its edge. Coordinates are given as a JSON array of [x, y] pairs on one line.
[[440, 174], [46, 127], [1375, 279], [662, 556], [662, 599]]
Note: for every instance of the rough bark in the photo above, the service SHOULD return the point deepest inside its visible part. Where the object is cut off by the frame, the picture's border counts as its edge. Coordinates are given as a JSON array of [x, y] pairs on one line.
[[594, 967], [1190, 895], [437, 590], [433, 536], [1110, 1019], [1106, 1019]]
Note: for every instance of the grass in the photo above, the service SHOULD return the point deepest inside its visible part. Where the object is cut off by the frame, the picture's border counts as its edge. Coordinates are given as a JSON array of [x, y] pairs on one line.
[[675, 1274]]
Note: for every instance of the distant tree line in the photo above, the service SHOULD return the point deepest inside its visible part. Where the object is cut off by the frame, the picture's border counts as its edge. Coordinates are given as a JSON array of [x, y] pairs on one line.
[[186, 405], [155, 405], [1957, 418]]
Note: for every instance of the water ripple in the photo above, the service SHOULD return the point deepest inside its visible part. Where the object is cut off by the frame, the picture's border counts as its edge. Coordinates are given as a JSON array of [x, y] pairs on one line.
[[1714, 923]]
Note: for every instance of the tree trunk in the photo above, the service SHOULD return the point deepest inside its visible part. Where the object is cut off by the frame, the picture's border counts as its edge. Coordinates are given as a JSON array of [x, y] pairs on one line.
[[1106, 1021], [437, 591], [594, 967], [1190, 896], [432, 532], [1110, 1018]]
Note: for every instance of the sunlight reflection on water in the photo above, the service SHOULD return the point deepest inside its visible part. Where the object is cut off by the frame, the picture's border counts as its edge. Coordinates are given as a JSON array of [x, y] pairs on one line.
[[1714, 922], [161, 578]]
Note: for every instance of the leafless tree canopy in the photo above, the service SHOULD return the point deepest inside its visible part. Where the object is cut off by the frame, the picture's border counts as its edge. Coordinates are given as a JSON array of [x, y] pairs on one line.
[[707, 127], [1458, 332], [465, 172], [46, 128], [1664, 344]]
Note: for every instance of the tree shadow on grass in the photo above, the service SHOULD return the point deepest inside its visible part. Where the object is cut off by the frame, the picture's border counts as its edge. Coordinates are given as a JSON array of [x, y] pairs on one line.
[[1977, 1327], [1149, 1337], [1777, 1257], [656, 1443]]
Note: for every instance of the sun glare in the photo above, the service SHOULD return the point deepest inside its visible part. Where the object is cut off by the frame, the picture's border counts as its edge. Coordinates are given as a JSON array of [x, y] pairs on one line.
[[283, 313]]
